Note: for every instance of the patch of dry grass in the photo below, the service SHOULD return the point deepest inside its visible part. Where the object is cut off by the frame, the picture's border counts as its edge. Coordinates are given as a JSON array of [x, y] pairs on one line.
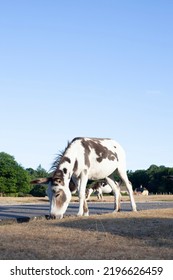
[[125, 235], [22, 200], [109, 198]]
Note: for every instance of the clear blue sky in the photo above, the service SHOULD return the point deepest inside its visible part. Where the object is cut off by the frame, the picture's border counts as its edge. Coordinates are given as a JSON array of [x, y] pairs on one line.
[[86, 68]]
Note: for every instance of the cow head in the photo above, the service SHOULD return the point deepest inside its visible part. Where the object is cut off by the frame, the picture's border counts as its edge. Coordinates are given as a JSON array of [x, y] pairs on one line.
[[58, 192]]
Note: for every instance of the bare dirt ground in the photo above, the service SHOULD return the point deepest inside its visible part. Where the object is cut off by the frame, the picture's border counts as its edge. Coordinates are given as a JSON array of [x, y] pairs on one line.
[[125, 235]]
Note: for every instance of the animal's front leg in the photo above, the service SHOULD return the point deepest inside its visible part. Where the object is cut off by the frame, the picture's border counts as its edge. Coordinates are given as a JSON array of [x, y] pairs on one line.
[[83, 208]]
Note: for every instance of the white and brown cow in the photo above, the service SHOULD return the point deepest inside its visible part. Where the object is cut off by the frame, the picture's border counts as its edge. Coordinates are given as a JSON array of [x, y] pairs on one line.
[[86, 158], [99, 188]]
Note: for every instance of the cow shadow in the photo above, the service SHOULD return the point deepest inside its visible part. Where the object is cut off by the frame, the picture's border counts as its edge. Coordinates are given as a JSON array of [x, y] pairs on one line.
[[157, 231]]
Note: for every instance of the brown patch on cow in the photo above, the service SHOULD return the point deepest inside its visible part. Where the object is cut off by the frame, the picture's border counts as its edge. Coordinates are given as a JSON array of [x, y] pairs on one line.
[[86, 146], [72, 186], [101, 151], [58, 178], [75, 168], [65, 159], [116, 154], [96, 186], [60, 198]]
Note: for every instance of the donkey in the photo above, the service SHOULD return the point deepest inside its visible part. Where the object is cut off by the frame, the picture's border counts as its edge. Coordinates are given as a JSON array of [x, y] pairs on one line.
[[99, 188], [83, 159]]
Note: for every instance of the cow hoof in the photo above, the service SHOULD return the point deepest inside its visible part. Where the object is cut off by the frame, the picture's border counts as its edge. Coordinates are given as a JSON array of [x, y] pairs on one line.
[[116, 210], [86, 214], [47, 217], [79, 214]]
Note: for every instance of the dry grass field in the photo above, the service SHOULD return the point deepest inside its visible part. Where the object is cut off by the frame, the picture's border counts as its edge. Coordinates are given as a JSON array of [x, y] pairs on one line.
[[125, 235], [109, 198]]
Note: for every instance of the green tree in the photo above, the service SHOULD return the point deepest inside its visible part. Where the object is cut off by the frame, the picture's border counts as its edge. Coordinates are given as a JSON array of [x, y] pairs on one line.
[[138, 178], [155, 179], [38, 190], [40, 172], [31, 172], [13, 177], [158, 182]]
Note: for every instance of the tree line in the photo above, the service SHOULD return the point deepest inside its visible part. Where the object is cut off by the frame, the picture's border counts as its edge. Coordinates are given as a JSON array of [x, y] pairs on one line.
[[15, 180], [156, 179]]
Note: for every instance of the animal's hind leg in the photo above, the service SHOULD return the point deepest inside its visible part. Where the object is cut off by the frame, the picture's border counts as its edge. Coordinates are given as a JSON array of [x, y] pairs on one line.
[[123, 175], [116, 192]]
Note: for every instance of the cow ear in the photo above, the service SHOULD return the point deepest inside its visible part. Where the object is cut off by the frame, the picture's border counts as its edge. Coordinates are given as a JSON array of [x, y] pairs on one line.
[[41, 180]]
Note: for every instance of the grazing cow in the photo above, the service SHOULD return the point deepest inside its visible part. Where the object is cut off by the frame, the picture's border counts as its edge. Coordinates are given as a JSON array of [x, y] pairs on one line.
[[99, 188], [86, 158]]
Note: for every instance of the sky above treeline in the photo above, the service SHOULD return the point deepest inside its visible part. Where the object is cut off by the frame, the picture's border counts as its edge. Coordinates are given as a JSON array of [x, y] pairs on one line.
[[86, 68]]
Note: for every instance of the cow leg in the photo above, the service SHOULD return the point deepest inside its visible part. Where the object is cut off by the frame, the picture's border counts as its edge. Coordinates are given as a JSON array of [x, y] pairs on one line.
[[100, 194], [116, 192], [83, 207], [125, 179]]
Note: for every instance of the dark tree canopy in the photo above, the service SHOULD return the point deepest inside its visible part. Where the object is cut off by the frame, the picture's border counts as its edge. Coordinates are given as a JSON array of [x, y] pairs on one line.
[[155, 179], [13, 177]]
